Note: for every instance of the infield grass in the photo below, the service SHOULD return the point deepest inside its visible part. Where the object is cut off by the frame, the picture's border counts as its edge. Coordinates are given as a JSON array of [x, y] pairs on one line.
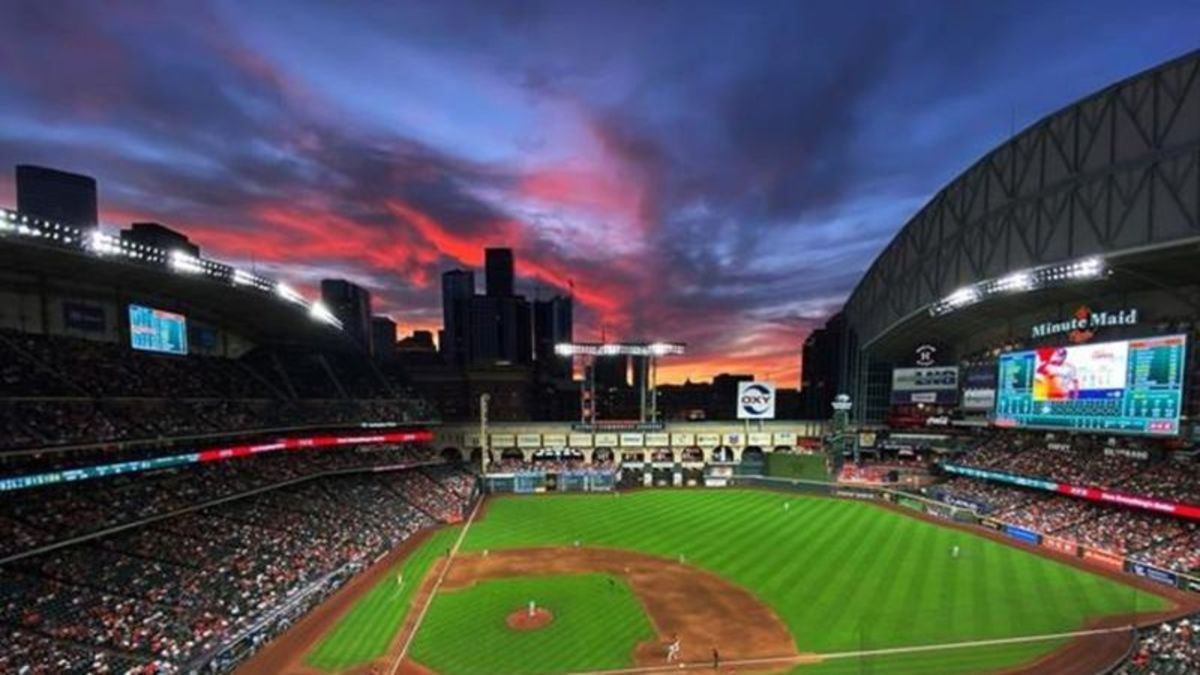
[[596, 626]]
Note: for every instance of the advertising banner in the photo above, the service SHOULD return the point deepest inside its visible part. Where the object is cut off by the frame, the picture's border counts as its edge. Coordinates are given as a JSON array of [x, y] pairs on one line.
[[978, 399], [554, 440], [756, 401], [683, 440], [83, 317], [580, 440], [935, 378], [1022, 534], [658, 439], [992, 524], [1061, 545], [631, 440], [529, 440], [504, 441], [762, 440], [1104, 558], [606, 440], [708, 440], [1152, 573], [785, 438], [963, 502]]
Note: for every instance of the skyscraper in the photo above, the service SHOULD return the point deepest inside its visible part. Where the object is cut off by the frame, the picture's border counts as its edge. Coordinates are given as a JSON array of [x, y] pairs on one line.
[[553, 322], [458, 287], [383, 336], [351, 304], [498, 264], [58, 196], [500, 330]]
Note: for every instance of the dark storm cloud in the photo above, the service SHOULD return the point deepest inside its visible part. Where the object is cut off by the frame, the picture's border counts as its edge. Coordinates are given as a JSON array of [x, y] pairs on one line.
[[720, 173]]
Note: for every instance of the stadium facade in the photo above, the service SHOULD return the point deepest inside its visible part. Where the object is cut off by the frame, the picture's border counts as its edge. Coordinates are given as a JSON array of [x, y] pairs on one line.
[[1083, 228]]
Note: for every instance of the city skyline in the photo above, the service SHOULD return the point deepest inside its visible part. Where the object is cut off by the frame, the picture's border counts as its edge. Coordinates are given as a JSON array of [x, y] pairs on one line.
[[678, 170]]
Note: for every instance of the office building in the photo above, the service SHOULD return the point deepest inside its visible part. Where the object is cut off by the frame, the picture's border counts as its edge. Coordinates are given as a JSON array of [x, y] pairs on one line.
[[553, 322], [458, 287], [160, 236], [351, 304], [57, 196], [383, 336], [498, 267]]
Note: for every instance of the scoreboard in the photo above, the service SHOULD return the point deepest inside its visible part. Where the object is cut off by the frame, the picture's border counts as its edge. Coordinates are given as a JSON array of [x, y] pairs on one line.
[[1128, 386], [156, 330]]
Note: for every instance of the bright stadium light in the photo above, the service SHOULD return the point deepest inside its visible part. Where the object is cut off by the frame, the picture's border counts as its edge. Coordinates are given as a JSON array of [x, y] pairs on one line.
[[321, 313], [242, 277], [288, 293], [619, 348], [184, 263], [1015, 282], [1022, 281]]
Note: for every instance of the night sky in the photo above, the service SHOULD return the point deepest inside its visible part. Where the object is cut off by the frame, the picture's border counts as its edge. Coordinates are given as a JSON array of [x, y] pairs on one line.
[[717, 173]]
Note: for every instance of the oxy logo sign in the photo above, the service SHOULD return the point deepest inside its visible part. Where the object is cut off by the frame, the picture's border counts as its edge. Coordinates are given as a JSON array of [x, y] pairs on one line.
[[756, 401]]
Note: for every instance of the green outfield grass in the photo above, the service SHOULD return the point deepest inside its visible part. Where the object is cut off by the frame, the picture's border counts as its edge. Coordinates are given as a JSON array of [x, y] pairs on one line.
[[596, 625], [844, 576], [365, 632]]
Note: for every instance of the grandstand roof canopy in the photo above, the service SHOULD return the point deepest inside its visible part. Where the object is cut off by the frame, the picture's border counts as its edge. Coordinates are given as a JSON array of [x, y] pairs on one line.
[[258, 316], [1165, 268]]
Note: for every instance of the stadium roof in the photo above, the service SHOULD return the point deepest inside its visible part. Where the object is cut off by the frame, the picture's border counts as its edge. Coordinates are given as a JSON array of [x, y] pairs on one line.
[[1113, 175]]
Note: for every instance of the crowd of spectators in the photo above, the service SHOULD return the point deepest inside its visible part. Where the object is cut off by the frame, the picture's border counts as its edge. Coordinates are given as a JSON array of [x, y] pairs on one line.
[[42, 424], [1166, 480], [1160, 540], [169, 595], [62, 390], [1172, 648], [40, 516]]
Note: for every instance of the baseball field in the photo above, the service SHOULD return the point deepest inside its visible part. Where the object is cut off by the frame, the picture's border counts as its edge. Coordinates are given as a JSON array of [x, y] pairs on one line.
[[774, 582]]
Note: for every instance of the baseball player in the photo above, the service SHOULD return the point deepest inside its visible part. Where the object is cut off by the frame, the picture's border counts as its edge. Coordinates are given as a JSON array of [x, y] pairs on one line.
[[673, 649]]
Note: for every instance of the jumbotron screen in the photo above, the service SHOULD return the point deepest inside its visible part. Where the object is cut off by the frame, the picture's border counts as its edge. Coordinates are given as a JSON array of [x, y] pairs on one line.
[[1130, 386], [155, 330]]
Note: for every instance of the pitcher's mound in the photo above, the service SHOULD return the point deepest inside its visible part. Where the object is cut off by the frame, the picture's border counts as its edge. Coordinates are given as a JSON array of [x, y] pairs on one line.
[[523, 620]]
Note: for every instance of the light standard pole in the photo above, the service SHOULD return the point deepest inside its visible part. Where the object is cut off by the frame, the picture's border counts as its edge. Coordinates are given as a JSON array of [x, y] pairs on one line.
[[484, 445]]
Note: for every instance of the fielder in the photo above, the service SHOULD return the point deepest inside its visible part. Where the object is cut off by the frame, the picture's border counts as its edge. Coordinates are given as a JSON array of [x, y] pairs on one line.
[[673, 649], [954, 552]]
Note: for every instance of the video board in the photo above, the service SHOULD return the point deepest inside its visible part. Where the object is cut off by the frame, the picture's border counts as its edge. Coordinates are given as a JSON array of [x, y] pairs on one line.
[[155, 330], [1128, 386]]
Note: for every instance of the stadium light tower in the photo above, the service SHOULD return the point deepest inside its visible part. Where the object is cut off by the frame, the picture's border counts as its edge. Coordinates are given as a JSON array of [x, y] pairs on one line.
[[652, 351]]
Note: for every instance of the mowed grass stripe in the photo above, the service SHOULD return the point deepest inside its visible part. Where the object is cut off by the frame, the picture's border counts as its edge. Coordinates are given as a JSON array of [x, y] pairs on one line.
[[366, 631]]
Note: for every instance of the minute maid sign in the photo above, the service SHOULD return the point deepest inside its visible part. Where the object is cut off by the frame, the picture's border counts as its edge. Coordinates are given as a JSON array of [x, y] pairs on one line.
[[1084, 323], [756, 401]]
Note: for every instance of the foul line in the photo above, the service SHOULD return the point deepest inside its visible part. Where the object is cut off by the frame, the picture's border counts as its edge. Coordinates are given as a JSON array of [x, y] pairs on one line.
[[817, 658], [436, 585]]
